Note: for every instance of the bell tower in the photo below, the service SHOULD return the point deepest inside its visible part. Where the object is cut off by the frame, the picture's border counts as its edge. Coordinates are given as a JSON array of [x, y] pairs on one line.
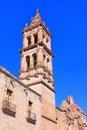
[[36, 68], [36, 55]]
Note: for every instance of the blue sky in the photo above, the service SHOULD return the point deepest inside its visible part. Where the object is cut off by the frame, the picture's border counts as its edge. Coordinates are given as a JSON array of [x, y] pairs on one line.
[[67, 21]]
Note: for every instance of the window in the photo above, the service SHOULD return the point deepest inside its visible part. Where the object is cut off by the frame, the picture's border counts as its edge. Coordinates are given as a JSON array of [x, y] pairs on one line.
[[34, 60], [28, 62], [43, 36], [44, 60], [9, 95], [47, 60], [44, 56], [29, 41], [35, 38], [8, 106], [31, 117], [30, 106], [47, 40]]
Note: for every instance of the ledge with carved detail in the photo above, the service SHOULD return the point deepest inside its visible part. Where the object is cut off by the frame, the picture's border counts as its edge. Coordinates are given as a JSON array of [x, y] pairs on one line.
[[36, 68], [9, 108], [35, 45], [83, 124], [31, 117], [35, 26]]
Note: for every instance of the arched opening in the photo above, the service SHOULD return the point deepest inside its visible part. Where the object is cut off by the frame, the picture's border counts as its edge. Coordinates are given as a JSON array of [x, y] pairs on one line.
[[35, 38], [48, 60], [44, 56], [29, 41], [44, 60], [9, 95], [43, 36], [28, 61], [30, 106], [34, 60], [48, 64], [47, 40]]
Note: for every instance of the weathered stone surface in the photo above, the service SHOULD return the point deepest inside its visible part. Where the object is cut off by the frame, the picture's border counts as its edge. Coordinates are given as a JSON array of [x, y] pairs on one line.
[[29, 102]]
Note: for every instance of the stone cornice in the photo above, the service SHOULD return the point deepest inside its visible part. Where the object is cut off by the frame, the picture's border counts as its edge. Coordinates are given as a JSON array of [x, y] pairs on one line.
[[49, 119], [7, 73], [59, 109], [35, 45], [35, 26], [46, 48], [13, 78], [35, 92], [28, 48], [41, 81]]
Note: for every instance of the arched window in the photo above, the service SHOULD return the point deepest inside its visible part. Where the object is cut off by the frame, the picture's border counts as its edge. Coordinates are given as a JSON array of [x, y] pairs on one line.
[[48, 60], [30, 107], [34, 60], [35, 38], [43, 36], [44, 60], [9, 95], [44, 56], [47, 40], [48, 65], [28, 62], [29, 41]]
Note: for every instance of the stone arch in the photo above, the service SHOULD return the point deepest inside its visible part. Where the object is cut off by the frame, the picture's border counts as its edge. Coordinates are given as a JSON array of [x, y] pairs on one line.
[[34, 60], [28, 62]]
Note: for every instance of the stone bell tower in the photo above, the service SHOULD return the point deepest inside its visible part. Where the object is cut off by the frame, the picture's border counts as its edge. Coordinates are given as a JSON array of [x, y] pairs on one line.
[[36, 55], [36, 68]]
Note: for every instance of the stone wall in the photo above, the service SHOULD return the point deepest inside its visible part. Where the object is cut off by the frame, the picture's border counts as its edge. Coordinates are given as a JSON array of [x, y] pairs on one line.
[[21, 98]]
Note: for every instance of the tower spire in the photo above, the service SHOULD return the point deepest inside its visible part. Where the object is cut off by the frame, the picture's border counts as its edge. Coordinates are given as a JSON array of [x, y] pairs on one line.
[[37, 12], [36, 21]]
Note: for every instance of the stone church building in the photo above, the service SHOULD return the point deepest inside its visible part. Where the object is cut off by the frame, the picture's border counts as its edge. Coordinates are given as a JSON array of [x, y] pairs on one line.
[[28, 102]]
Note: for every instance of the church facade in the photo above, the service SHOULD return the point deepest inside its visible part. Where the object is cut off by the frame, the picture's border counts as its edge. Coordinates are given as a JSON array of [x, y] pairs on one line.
[[28, 102]]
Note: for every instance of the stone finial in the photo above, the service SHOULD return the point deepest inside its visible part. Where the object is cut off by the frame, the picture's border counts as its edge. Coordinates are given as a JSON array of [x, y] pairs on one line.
[[31, 18], [47, 28], [26, 28], [70, 99], [37, 12], [26, 25]]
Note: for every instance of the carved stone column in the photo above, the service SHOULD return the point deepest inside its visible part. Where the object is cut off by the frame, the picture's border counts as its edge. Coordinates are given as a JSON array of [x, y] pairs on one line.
[[23, 63], [40, 35], [40, 57], [31, 62]]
